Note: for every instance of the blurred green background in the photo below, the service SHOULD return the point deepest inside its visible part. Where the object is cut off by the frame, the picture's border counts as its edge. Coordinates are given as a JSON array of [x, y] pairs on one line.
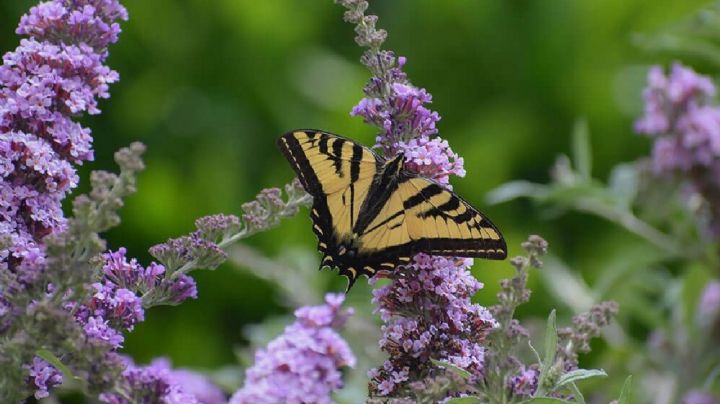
[[209, 85]]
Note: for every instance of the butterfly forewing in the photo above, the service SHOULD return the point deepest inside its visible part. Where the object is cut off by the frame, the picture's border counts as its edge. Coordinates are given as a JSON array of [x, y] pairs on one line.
[[338, 174]]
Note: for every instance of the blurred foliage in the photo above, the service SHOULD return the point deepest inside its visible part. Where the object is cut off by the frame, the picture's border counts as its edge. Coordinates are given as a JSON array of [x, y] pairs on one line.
[[209, 86]]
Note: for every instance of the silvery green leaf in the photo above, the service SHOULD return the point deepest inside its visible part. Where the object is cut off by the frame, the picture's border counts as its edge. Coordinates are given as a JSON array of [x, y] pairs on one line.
[[515, 189], [623, 183], [579, 374], [626, 392], [464, 400], [582, 153], [460, 371], [544, 400], [550, 350]]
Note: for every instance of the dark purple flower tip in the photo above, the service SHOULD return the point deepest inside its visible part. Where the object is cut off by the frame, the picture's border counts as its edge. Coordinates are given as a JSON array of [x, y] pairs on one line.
[[191, 250], [218, 227], [119, 270], [100, 332], [181, 289], [120, 306]]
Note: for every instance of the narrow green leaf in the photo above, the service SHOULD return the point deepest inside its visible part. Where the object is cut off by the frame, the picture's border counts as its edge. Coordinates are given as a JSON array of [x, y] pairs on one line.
[[566, 285], [579, 398], [626, 393], [544, 400], [53, 360], [580, 374], [550, 339], [515, 189], [623, 183], [550, 351], [460, 371], [581, 149], [465, 400]]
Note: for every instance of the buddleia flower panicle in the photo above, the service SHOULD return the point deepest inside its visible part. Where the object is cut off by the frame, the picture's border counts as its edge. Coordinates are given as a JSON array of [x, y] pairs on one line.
[[427, 314], [46, 82], [684, 119], [54, 76], [426, 310], [304, 363], [158, 382]]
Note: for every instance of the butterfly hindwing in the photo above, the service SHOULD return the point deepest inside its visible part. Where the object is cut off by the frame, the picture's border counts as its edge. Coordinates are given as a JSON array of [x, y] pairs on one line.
[[371, 215]]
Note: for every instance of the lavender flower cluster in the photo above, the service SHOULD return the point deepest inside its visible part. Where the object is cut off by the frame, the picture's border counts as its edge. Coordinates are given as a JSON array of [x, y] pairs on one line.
[[407, 125], [158, 382], [303, 365], [426, 309], [428, 314], [117, 303], [398, 108], [53, 76], [685, 121]]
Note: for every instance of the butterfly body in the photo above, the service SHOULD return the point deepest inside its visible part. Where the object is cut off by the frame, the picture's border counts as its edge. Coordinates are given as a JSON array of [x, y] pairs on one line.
[[371, 214]]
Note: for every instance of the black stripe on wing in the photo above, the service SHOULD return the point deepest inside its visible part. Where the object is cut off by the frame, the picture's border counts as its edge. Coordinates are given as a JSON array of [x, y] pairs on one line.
[[319, 213]]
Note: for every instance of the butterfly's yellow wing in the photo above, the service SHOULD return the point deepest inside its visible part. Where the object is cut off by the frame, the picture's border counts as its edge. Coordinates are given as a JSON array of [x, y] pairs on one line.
[[370, 214]]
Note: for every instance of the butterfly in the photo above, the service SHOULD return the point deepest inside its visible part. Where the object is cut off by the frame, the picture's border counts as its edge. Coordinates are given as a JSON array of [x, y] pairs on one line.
[[371, 214]]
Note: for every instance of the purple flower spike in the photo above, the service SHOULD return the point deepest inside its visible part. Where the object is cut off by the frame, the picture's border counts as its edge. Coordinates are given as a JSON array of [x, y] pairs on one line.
[[428, 315], [55, 75], [303, 364], [685, 122]]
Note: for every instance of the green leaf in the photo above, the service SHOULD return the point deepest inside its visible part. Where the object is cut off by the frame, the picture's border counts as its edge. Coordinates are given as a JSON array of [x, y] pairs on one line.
[[550, 351], [579, 374], [550, 339], [465, 400], [581, 149], [460, 371], [626, 392], [579, 398], [515, 189], [566, 285], [53, 360], [544, 400], [623, 183]]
